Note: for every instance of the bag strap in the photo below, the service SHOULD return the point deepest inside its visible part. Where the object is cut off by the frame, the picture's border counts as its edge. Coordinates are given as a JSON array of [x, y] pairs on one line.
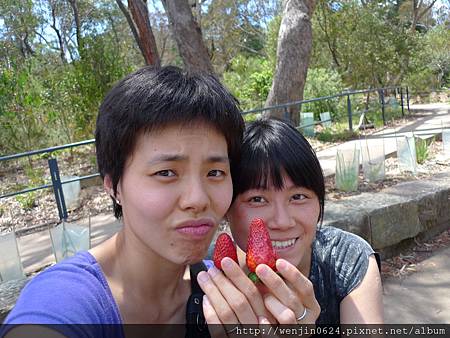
[[194, 271], [195, 320]]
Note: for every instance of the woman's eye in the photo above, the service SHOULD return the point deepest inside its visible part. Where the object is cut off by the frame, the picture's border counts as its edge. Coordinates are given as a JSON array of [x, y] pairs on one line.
[[216, 173], [298, 197], [257, 199], [165, 173]]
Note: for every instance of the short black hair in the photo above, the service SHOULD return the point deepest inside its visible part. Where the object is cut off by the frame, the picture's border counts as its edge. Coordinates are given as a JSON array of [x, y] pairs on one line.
[[153, 98], [270, 148]]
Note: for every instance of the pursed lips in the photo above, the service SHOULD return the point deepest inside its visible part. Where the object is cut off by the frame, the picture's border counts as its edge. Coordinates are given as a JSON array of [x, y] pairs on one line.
[[196, 228]]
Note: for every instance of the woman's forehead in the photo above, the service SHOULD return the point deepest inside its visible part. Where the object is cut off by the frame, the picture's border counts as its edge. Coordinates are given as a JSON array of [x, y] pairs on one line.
[[178, 139], [180, 128]]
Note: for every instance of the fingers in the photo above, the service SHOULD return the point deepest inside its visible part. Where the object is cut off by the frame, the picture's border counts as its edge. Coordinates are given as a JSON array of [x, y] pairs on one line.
[[238, 301], [301, 284], [228, 302], [215, 328], [217, 301], [281, 312], [249, 290], [285, 315], [278, 286], [209, 312], [291, 292]]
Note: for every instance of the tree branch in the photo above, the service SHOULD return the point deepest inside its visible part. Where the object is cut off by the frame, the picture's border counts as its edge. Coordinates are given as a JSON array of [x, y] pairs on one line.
[[130, 21]]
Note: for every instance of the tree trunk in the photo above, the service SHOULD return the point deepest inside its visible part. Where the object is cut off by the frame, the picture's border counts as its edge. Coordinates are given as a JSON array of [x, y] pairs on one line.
[[139, 23], [139, 12], [187, 35], [62, 53], [293, 53], [76, 16]]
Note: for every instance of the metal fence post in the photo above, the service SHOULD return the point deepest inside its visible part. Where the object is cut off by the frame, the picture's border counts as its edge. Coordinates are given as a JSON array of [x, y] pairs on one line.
[[401, 96], [407, 99], [381, 93], [57, 188], [349, 112], [287, 117]]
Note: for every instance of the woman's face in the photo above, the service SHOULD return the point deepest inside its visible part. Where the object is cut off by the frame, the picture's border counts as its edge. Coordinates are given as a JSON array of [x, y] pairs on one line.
[[175, 189], [290, 215]]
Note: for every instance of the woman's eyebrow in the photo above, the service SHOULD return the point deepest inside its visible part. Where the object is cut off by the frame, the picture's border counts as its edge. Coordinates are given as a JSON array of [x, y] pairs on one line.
[[167, 158], [178, 158], [215, 159]]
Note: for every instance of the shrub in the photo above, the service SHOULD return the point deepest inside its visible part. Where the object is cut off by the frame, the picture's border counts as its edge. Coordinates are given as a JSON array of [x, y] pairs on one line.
[[27, 201], [249, 79], [324, 82], [337, 133]]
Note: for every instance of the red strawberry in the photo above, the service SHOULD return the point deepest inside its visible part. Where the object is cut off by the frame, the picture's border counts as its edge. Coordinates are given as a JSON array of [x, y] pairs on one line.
[[259, 248], [224, 248]]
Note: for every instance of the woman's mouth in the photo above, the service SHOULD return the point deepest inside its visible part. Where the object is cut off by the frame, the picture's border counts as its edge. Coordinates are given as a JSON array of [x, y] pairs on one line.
[[284, 245], [196, 231], [197, 228]]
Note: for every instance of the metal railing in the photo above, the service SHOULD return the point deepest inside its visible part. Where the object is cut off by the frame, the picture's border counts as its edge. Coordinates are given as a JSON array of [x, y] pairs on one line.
[[350, 113], [54, 174], [53, 163]]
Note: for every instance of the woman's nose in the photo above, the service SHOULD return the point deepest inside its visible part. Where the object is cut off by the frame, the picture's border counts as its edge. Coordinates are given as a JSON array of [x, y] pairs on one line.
[[281, 218], [194, 196]]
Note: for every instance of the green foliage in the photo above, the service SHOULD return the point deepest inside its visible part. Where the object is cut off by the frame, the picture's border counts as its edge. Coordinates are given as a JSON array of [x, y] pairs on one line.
[[337, 133], [27, 201], [238, 27], [47, 98], [93, 76], [35, 176], [422, 150], [50, 93], [93, 160], [249, 79], [431, 62], [21, 115], [370, 51], [323, 82], [347, 171], [272, 39], [251, 117]]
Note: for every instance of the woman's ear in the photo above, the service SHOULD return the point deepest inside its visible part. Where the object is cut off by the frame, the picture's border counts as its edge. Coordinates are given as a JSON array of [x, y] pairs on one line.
[[108, 186]]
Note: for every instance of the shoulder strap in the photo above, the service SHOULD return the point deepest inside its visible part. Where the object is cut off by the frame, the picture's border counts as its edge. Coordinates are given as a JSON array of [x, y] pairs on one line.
[[194, 271], [195, 320]]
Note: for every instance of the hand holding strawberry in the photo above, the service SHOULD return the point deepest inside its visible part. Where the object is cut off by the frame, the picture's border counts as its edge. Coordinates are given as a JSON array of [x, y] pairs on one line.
[[259, 248], [224, 248]]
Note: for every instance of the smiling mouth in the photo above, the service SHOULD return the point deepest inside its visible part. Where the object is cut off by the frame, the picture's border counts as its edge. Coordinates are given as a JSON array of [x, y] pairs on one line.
[[279, 245]]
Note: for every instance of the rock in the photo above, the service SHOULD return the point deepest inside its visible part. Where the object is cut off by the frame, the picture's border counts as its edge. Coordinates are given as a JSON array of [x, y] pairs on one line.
[[398, 213]]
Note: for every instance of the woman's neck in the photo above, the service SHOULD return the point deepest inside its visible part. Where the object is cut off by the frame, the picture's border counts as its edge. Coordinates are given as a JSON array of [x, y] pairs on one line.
[[147, 288]]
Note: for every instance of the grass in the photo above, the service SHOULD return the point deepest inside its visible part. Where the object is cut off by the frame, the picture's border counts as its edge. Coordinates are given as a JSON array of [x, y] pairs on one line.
[[337, 133], [27, 201]]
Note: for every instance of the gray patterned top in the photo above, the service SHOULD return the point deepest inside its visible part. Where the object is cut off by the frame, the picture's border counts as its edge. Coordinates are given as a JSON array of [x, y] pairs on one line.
[[338, 264]]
